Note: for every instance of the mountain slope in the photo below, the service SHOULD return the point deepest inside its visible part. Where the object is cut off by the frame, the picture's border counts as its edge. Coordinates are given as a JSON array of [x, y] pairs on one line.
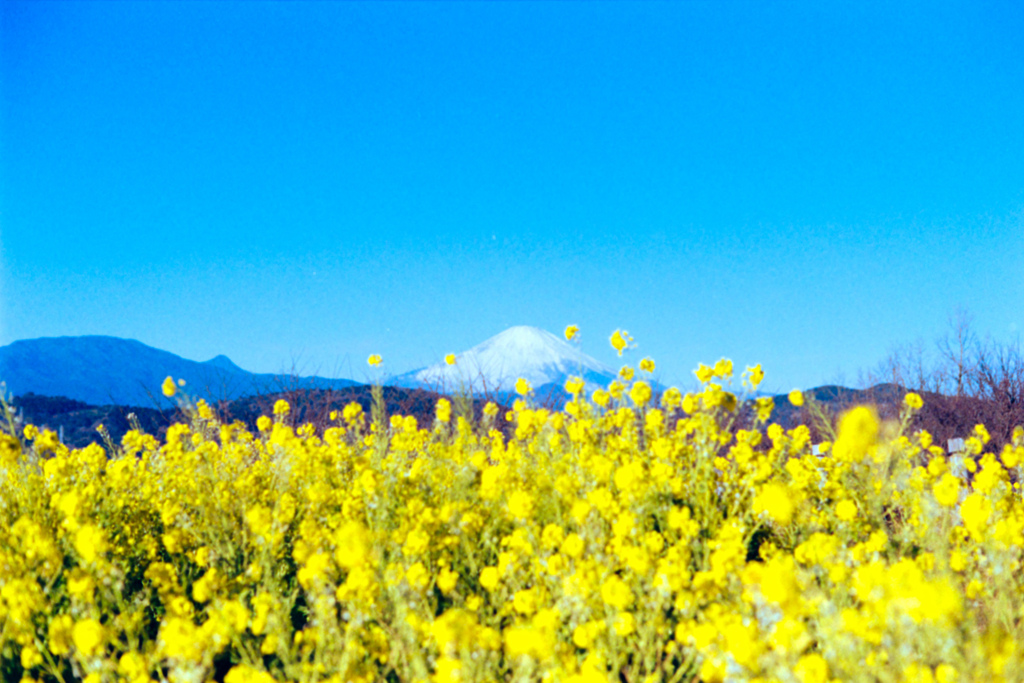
[[494, 365], [103, 370]]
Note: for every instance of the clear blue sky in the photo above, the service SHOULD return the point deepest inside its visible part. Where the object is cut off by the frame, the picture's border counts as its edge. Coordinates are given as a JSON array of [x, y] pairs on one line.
[[801, 184]]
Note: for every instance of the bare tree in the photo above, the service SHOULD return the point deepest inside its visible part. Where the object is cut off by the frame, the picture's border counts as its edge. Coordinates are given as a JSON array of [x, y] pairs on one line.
[[997, 379], [968, 382], [958, 349]]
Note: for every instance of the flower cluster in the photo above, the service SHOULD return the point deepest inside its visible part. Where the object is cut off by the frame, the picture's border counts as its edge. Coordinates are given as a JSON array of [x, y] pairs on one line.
[[627, 537]]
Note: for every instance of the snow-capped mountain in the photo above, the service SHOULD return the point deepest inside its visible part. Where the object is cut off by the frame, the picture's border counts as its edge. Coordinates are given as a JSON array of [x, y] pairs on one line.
[[493, 366]]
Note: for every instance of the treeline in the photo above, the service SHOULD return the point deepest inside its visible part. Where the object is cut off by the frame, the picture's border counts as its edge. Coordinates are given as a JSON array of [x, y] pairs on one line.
[[965, 380], [79, 423]]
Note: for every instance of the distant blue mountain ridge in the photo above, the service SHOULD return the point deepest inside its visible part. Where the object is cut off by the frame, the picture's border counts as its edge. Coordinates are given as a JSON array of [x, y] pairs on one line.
[[102, 370]]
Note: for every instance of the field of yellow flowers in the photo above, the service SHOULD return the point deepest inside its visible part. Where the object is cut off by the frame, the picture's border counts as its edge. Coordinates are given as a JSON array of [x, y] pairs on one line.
[[614, 540]]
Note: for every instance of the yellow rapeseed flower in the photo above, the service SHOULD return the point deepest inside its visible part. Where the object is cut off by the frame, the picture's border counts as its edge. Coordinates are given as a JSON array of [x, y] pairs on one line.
[[846, 510], [640, 393], [444, 410], [572, 546], [30, 657], [976, 511], [913, 401], [418, 576], [583, 635], [520, 504], [796, 397], [1011, 456], [523, 387], [447, 670], [450, 359], [246, 674], [723, 368], [281, 407], [60, 634], [982, 433], [525, 601], [704, 373], [947, 490], [812, 668], [571, 331], [609, 536], [647, 365], [858, 431], [90, 541], [447, 580], [756, 375], [625, 624], [616, 593], [374, 360], [489, 578], [352, 412], [620, 340], [87, 636], [168, 387], [672, 398], [132, 665], [776, 501], [616, 389]]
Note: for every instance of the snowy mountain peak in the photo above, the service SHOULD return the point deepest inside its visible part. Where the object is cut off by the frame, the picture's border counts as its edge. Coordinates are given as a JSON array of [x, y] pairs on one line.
[[522, 351]]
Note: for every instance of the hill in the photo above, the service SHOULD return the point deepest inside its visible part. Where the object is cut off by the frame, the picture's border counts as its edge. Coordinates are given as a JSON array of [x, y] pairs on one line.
[[77, 421], [101, 370]]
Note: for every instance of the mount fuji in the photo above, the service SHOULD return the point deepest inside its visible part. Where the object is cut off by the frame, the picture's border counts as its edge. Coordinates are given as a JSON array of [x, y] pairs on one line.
[[493, 366]]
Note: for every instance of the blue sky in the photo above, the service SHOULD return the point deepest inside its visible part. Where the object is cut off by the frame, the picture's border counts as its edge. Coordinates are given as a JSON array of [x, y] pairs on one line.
[[803, 185]]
